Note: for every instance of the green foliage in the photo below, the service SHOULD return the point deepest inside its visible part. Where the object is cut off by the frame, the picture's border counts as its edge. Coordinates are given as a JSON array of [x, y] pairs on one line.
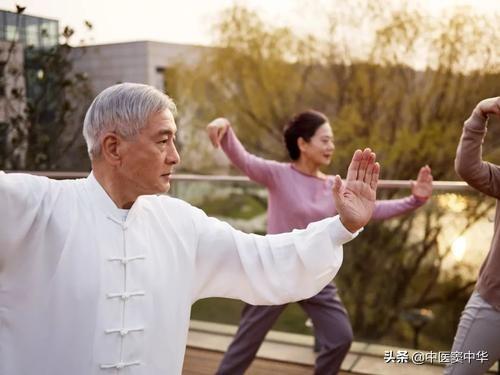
[[248, 206], [255, 77], [259, 76]]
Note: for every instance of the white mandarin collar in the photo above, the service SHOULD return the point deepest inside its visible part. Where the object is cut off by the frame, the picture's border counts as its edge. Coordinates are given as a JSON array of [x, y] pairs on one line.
[[99, 198]]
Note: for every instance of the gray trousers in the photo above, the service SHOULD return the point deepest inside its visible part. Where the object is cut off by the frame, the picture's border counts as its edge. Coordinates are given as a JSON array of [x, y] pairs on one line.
[[331, 325], [478, 330]]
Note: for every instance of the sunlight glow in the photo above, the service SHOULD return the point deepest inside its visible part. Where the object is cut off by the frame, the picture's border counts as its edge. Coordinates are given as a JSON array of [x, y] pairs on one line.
[[453, 202], [458, 248]]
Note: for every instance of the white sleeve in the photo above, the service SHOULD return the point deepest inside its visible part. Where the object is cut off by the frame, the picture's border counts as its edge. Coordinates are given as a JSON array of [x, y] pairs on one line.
[[266, 270], [21, 199]]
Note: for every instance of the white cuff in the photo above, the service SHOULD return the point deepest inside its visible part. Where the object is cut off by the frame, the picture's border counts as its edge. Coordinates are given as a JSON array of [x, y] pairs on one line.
[[340, 234]]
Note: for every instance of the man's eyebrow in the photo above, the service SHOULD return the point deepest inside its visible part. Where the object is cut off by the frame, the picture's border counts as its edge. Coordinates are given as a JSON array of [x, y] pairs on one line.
[[166, 132]]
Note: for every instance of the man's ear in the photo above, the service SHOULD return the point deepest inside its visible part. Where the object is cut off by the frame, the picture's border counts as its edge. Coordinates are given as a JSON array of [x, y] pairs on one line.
[[110, 148]]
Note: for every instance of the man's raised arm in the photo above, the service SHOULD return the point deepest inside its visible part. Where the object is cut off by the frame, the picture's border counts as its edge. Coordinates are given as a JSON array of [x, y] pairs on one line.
[[287, 267], [355, 197]]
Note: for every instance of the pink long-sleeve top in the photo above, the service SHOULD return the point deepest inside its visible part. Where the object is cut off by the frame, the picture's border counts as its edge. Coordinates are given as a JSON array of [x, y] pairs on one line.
[[296, 199]]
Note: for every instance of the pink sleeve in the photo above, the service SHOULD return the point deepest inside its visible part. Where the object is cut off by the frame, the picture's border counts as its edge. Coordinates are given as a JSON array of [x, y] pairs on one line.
[[257, 169], [386, 209]]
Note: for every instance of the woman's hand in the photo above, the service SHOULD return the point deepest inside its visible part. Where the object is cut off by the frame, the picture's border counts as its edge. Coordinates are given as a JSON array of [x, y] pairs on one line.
[[422, 188], [217, 129]]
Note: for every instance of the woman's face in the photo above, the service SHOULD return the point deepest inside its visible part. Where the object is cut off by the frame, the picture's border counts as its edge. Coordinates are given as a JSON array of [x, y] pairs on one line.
[[319, 149]]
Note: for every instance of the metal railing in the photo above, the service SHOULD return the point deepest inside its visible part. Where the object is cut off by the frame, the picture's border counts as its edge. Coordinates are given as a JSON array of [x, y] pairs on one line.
[[450, 186]]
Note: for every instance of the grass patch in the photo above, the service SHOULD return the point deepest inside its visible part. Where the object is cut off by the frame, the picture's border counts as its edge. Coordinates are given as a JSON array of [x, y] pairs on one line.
[[238, 206], [228, 311]]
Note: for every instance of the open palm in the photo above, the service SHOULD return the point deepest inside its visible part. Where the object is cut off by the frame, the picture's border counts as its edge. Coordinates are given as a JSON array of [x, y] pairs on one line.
[[422, 188], [355, 197]]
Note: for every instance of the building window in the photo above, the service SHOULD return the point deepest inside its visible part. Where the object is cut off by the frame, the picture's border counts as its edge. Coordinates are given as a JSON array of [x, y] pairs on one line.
[[160, 78], [29, 30]]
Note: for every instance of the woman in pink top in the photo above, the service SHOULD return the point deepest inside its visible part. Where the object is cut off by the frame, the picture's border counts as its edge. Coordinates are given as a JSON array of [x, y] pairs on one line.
[[299, 193]]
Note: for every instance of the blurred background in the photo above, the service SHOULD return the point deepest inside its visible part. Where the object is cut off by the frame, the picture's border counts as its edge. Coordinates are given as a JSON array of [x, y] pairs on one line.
[[398, 76]]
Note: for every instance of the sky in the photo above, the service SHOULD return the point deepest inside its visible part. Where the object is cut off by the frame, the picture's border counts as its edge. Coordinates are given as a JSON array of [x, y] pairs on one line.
[[187, 21]]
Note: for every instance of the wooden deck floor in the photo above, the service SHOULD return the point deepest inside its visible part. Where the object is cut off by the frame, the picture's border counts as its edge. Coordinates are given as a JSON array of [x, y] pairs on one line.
[[291, 354], [205, 362]]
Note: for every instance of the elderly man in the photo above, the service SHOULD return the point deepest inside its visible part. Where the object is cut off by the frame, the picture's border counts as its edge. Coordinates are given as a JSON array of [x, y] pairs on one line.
[[97, 275]]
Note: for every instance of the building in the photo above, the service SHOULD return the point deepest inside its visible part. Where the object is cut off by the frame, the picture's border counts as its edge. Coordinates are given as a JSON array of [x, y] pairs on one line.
[[149, 62], [37, 32], [140, 62], [101, 66], [19, 34]]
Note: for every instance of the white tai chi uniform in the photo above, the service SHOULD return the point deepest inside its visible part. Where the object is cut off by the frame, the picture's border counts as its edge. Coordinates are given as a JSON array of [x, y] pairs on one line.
[[88, 288]]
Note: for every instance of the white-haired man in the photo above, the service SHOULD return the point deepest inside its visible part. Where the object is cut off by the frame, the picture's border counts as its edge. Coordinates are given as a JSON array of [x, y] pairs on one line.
[[98, 275]]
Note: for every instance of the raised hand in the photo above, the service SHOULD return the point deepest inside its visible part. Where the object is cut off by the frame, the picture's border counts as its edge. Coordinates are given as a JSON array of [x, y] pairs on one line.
[[355, 197], [490, 106], [422, 188], [217, 129]]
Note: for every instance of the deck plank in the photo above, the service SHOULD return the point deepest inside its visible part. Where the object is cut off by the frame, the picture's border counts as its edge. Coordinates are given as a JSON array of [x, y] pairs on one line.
[[205, 362]]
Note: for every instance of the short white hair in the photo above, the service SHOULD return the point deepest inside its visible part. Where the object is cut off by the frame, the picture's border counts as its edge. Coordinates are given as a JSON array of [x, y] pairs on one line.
[[124, 108]]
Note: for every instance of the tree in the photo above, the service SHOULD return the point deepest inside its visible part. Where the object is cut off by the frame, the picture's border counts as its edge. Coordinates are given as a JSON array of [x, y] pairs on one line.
[[258, 76], [255, 75], [44, 102]]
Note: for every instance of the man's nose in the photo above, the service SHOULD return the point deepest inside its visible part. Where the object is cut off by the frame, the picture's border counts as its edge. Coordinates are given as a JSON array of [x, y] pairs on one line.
[[173, 156]]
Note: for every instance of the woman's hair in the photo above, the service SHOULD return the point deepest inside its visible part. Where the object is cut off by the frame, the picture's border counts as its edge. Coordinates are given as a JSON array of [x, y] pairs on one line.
[[302, 125], [124, 108]]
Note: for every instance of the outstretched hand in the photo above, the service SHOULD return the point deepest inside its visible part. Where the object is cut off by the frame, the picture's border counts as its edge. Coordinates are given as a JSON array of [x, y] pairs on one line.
[[422, 188], [355, 197], [217, 129]]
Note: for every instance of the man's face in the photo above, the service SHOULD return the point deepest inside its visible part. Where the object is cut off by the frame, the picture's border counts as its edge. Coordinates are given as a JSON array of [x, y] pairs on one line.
[[148, 159]]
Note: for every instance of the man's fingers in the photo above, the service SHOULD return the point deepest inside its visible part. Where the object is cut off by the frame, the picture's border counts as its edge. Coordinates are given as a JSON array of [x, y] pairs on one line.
[[337, 190], [352, 171], [374, 177], [371, 164], [363, 166], [337, 184], [369, 168], [367, 160]]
